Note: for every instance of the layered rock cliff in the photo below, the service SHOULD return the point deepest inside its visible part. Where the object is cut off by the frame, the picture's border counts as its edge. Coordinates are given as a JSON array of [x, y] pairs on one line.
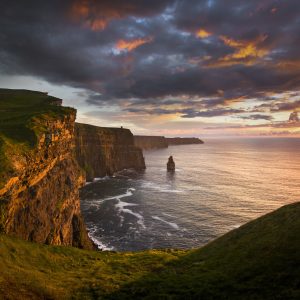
[[157, 142], [103, 151], [183, 141], [39, 175], [150, 142]]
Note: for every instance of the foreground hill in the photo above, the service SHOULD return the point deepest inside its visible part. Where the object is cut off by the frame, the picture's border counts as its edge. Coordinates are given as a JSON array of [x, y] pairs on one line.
[[260, 260]]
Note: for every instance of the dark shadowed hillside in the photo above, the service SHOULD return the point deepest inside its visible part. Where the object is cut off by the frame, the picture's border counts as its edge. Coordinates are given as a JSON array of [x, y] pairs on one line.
[[260, 260]]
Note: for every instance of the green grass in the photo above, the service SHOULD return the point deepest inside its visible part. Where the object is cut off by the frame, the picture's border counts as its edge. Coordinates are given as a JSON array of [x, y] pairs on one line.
[[260, 260], [22, 117]]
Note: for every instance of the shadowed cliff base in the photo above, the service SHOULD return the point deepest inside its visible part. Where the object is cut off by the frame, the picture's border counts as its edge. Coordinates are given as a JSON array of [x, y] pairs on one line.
[[259, 260]]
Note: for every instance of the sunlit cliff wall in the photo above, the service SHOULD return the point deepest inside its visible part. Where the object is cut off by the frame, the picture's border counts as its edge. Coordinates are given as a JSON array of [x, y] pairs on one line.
[[40, 179], [103, 151]]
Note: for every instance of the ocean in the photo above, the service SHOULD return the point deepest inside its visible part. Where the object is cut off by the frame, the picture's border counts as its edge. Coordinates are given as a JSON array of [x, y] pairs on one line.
[[217, 186]]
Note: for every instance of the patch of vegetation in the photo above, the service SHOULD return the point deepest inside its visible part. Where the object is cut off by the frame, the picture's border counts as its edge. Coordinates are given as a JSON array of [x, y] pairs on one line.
[[260, 260], [22, 119]]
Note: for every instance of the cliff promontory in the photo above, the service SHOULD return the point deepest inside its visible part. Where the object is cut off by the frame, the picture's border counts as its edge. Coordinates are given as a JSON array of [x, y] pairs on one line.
[[39, 175], [146, 142], [103, 151], [183, 141]]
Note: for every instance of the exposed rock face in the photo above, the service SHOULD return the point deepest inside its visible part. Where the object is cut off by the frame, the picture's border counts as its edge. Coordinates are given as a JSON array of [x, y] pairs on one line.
[[40, 201], [183, 141], [103, 151], [150, 142], [171, 164], [156, 142], [294, 117]]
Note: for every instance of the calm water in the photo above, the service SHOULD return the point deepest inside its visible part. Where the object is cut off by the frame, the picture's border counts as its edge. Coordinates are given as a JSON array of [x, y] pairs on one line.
[[216, 187]]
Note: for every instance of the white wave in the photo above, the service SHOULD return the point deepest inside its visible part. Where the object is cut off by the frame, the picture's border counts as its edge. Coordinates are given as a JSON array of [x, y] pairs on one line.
[[117, 197], [100, 178], [97, 242], [120, 205], [96, 179], [96, 203], [173, 225], [164, 188], [137, 215], [168, 215]]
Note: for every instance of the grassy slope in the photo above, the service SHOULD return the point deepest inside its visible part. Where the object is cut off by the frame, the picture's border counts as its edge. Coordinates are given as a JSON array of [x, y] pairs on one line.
[[260, 260], [20, 113]]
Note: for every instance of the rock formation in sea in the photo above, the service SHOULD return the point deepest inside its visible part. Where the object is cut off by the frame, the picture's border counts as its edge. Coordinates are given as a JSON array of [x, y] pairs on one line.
[[171, 164], [183, 141], [150, 142], [103, 151], [39, 175]]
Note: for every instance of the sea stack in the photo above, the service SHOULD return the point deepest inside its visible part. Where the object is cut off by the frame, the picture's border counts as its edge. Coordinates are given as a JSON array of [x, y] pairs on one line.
[[171, 164]]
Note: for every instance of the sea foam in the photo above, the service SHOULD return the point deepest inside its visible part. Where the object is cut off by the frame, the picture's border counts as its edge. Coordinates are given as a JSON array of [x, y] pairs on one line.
[[173, 225]]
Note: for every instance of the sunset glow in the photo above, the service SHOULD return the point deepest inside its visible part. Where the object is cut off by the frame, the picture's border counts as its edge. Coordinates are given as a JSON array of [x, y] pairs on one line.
[[202, 33], [131, 45], [211, 67]]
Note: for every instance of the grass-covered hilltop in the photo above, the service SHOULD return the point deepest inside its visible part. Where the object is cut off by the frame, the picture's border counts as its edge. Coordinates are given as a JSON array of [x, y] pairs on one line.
[[260, 260], [40, 219], [23, 114]]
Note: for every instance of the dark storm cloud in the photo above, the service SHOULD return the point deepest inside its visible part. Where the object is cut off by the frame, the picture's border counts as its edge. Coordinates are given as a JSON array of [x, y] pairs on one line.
[[257, 117], [149, 54], [288, 106], [212, 113]]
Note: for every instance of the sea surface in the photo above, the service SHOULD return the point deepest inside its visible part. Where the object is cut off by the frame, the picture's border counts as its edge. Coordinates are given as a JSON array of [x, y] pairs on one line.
[[217, 186]]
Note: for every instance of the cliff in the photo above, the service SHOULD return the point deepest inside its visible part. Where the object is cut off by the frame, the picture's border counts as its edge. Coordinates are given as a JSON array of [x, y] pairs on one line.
[[259, 260], [156, 142], [103, 151], [39, 175], [183, 141], [150, 142]]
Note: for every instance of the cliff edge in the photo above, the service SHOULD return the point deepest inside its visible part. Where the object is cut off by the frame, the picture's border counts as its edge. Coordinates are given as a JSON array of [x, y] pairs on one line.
[[146, 142], [183, 141], [39, 175], [103, 151]]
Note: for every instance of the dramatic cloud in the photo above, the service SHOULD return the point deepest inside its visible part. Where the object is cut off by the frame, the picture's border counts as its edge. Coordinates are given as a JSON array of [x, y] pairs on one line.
[[132, 44], [288, 106], [257, 117], [187, 58]]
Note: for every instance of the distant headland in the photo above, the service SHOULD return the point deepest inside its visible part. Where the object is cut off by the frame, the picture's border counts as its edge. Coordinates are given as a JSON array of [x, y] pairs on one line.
[[156, 142]]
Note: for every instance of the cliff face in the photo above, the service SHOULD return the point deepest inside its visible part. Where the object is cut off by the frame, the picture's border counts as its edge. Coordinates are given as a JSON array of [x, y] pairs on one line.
[[102, 151], [183, 141], [150, 142], [156, 142], [39, 197]]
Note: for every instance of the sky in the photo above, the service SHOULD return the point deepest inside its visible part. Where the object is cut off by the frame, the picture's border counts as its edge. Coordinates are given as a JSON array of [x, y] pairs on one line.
[[161, 67]]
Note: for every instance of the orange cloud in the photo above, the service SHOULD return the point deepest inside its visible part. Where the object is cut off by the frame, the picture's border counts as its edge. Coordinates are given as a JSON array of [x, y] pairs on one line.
[[244, 49], [130, 45], [86, 12], [202, 33], [245, 52]]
